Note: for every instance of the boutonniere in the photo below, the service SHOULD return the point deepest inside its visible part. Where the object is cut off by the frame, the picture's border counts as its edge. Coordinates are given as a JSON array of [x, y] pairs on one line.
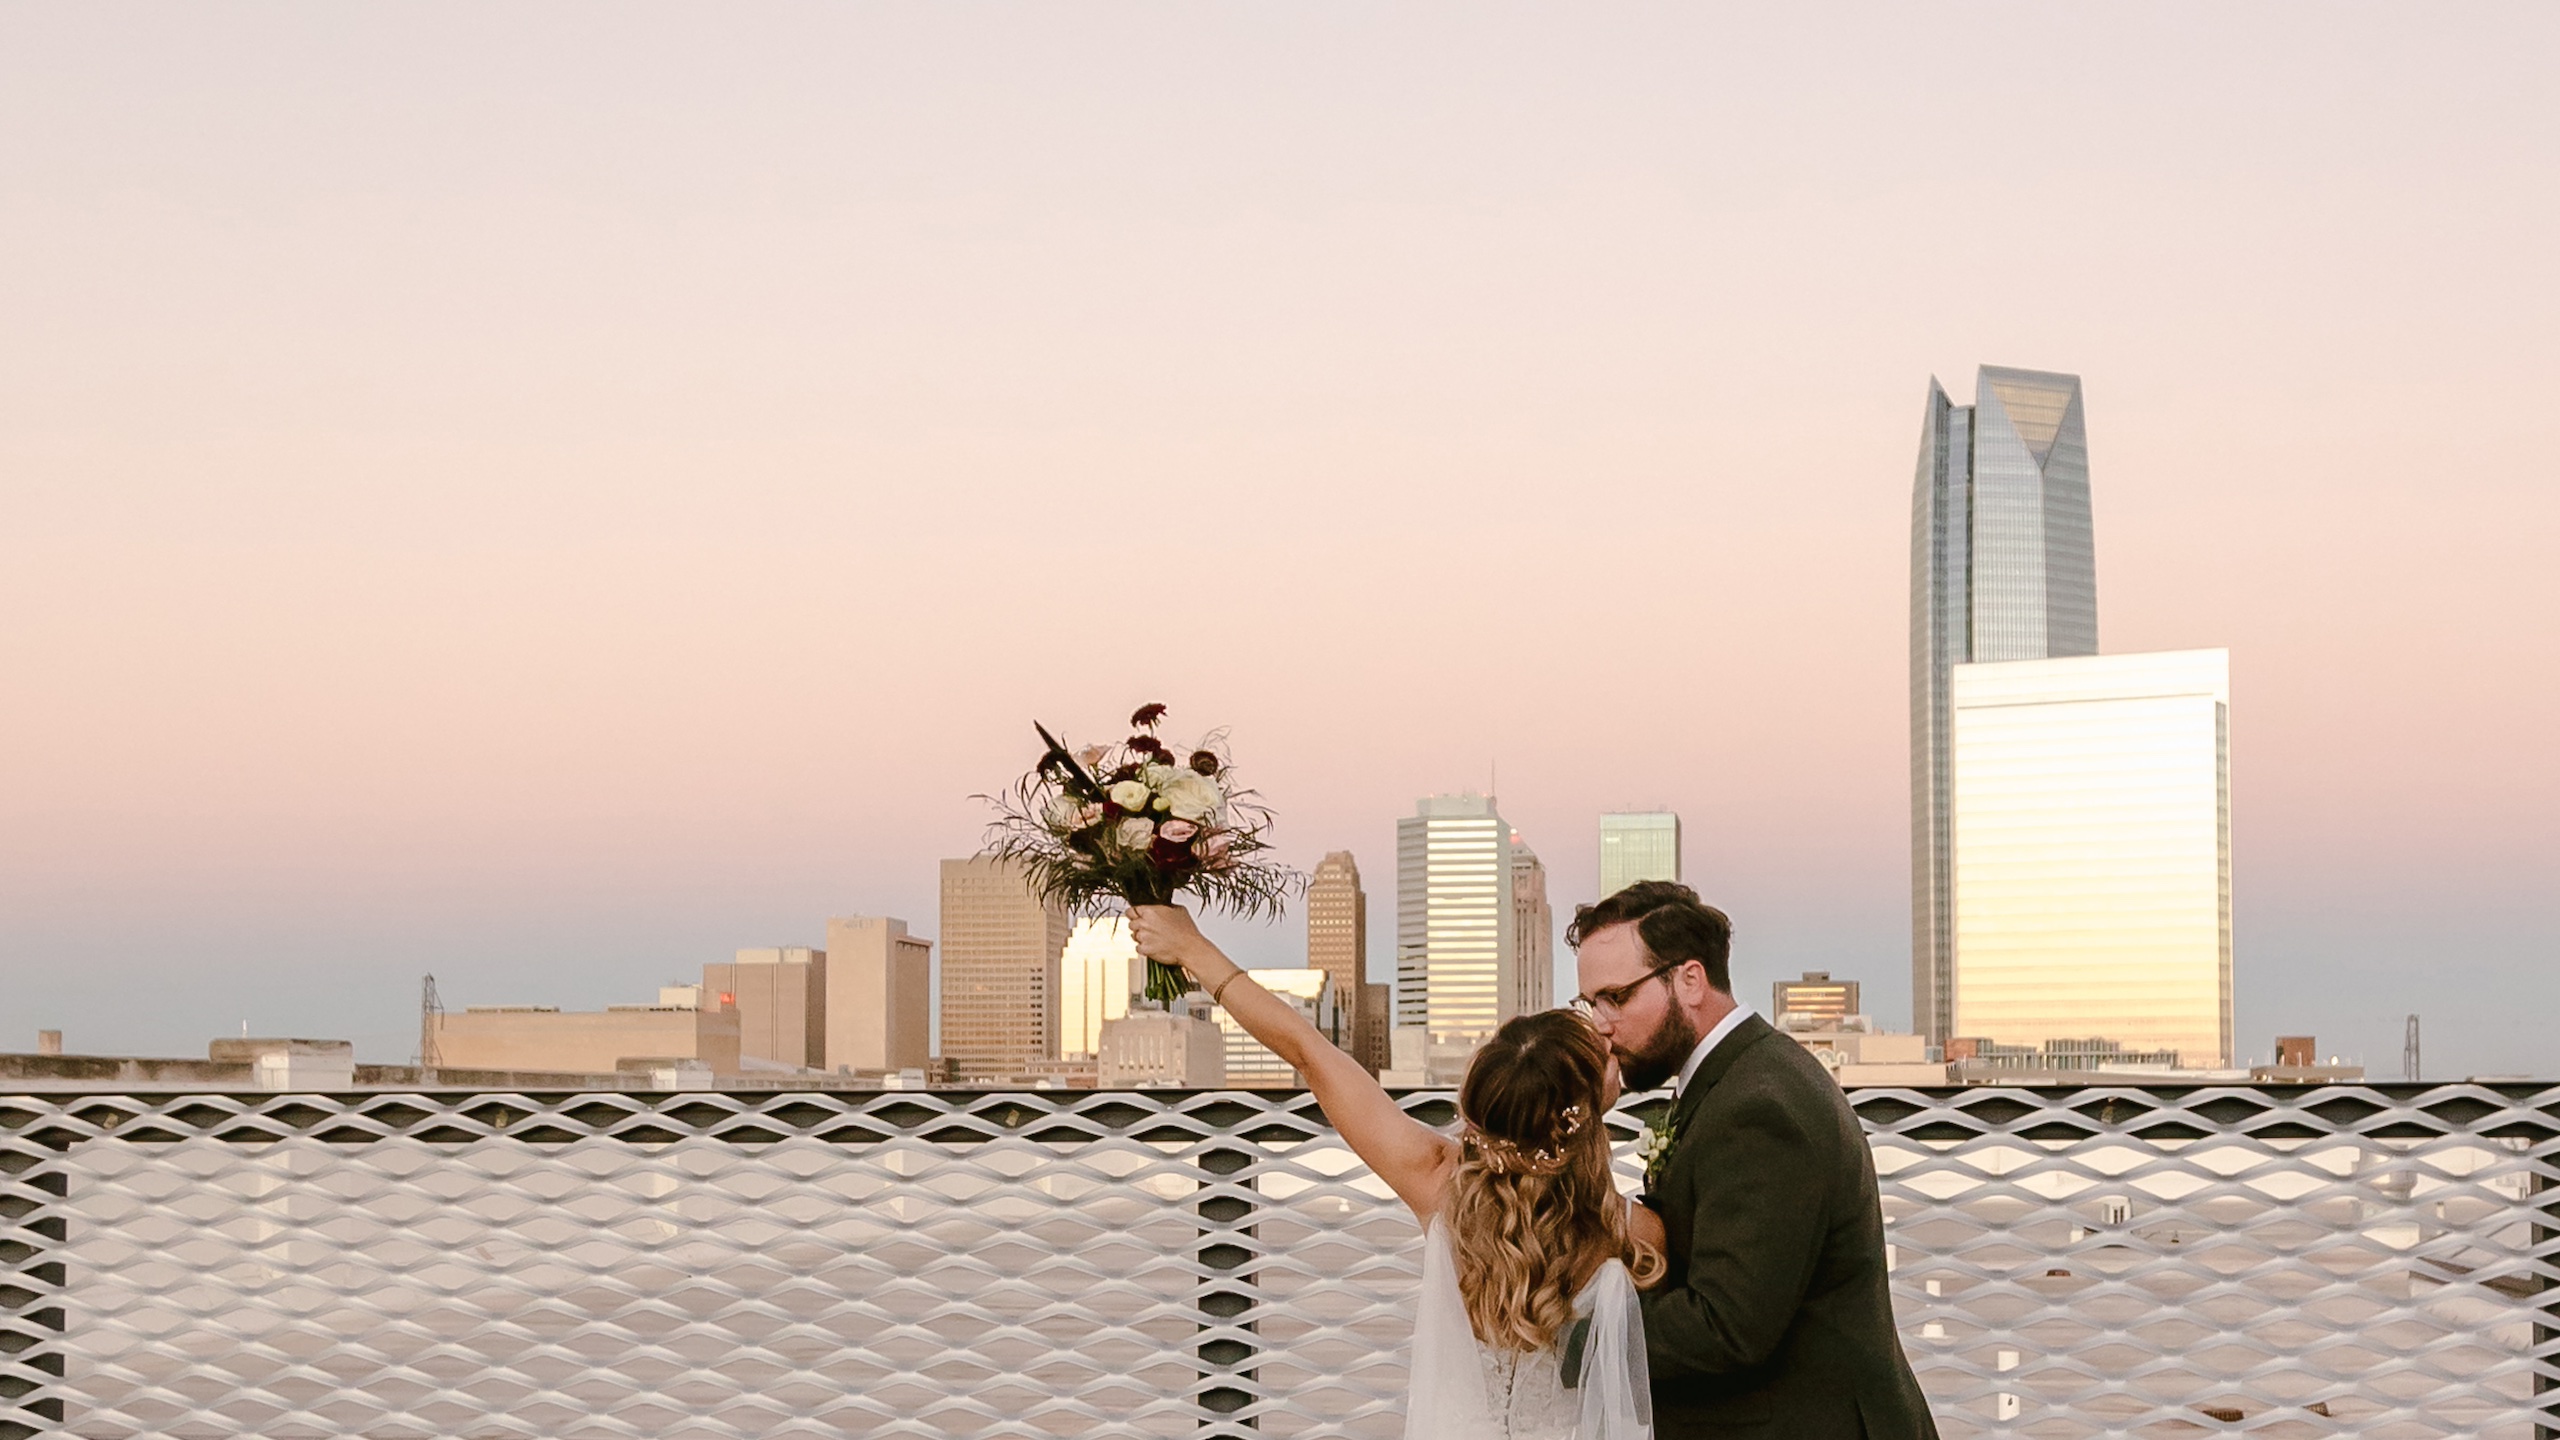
[[1659, 1137]]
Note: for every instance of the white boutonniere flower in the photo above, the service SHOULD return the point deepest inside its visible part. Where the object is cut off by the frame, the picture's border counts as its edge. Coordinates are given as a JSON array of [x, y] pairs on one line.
[[1658, 1140]]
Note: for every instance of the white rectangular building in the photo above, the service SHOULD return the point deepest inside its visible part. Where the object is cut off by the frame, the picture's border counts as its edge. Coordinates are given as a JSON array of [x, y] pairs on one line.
[[2090, 804], [1456, 955]]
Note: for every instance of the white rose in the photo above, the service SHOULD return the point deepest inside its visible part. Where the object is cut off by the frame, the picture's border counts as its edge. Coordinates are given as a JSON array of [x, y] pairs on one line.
[[1157, 777], [1194, 797], [1130, 795], [1065, 812], [1136, 833]]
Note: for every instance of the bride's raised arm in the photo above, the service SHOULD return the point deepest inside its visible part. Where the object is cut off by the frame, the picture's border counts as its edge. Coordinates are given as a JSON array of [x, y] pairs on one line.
[[1414, 1159]]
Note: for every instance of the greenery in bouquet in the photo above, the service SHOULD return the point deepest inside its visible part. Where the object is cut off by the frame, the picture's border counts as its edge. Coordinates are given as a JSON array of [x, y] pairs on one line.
[[1140, 823]]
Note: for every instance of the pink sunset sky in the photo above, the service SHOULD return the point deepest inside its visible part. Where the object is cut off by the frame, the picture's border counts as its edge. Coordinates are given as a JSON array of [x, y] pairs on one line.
[[549, 495]]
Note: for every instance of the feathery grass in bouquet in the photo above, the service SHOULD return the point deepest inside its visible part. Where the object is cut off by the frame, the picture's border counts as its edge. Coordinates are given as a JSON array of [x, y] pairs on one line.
[[1140, 822]]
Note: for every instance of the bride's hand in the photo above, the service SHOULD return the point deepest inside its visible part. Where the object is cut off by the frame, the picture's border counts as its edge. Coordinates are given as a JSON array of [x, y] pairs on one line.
[[1166, 933]]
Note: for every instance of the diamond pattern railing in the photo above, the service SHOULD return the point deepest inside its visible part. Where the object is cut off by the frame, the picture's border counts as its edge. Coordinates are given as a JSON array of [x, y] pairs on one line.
[[2369, 1260]]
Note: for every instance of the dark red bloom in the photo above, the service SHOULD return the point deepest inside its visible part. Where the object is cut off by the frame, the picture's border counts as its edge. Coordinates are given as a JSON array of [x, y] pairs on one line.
[[1171, 854], [1125, 772], [1147, 716], [1204, 762], [1147, 745]]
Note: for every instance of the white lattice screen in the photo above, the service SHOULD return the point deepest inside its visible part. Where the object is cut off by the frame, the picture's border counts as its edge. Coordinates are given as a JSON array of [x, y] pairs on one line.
[[2120, 1261]]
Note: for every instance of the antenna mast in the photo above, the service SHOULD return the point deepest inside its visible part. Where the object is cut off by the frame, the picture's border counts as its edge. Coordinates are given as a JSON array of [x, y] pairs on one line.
[[430, 1009]]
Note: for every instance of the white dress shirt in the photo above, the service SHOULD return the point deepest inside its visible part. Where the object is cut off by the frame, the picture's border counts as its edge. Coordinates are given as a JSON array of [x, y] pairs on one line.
[[1707, 1045]]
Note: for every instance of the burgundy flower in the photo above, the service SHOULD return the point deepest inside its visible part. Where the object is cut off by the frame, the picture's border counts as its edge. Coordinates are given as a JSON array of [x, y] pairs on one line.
[[1170, 854], [1147, 745], [1147, 716], [1204, 762]]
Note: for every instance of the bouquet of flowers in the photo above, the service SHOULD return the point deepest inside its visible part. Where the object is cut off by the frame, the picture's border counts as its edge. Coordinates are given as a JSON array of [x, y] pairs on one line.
[[1140, 822]]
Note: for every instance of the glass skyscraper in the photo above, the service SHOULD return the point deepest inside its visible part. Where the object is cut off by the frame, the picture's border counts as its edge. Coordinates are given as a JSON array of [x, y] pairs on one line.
[[2092, 830], [1638, 845], [2003, 567]]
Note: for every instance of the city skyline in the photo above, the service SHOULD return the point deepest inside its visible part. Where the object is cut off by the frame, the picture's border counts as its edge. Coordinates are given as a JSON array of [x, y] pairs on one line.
[[547, 505]]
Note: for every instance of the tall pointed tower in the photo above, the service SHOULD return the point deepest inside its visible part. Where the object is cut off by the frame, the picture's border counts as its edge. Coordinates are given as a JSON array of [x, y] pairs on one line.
[[2003, 567]]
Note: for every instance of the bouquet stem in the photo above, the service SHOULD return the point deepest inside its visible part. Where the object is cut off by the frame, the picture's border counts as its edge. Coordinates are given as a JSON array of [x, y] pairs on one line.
[[1166, 983]]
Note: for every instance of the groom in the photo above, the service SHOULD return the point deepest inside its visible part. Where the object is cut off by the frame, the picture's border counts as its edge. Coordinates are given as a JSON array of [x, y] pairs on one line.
[[1774, 1319]]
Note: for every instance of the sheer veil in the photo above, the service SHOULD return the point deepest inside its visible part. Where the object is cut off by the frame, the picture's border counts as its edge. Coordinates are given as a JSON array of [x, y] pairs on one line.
[[1617, 1392]]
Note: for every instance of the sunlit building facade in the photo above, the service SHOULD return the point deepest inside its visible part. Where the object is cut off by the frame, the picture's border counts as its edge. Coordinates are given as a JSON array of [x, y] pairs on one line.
[[1454, 925], [1816, 995], [1338, 944], [879, 996], [1000, 949], [2003, 567], [1250, 1063], [2091, 845], [1097, 973], [1638, 845]]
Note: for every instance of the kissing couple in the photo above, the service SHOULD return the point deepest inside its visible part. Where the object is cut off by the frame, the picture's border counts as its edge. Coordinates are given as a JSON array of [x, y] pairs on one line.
[[1743, 1294]]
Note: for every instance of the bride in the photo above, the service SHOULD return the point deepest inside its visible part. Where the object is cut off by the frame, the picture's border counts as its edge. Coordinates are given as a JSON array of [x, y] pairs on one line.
[[1528, 1326]]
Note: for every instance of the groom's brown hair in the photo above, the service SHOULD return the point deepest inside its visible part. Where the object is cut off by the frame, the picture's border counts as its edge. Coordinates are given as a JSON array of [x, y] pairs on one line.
[[1673, 922]]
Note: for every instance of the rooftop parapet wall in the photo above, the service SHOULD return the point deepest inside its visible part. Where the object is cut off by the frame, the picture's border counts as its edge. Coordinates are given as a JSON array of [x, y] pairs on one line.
[[2093, 1260]]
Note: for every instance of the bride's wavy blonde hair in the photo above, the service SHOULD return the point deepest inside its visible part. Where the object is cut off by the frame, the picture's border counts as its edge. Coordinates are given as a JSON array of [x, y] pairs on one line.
[[1532, 1210]]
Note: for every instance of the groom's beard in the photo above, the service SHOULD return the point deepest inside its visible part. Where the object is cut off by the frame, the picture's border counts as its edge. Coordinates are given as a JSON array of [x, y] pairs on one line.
[[1664, 1052]]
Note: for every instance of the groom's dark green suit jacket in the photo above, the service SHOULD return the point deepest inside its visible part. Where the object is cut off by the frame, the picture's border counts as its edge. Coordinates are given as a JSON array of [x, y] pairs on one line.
[[1774, 1319]]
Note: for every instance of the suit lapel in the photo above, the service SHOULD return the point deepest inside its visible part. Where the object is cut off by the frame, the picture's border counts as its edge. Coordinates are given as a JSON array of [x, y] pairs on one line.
[[1717, 1062]]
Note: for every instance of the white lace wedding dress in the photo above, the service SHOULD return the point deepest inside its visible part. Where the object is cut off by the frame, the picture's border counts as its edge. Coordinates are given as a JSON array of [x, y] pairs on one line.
[[1463, 1390]]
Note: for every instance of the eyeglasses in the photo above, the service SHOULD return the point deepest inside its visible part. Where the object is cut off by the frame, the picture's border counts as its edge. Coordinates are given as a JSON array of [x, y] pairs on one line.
[[1613, 999]]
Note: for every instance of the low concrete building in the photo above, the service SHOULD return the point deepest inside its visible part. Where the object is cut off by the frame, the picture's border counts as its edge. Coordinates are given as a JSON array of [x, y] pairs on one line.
[[1158, 1047], [285, 1064], [780, 995], [1976, 1060], [1073, 1072], [592, 1042], [1408, 1064], [2298, 1063], [1416, 1057], [1856, 1053]]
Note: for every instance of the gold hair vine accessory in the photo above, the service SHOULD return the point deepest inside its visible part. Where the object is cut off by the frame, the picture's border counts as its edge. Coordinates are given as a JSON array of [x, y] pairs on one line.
[[1505, 1157]]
